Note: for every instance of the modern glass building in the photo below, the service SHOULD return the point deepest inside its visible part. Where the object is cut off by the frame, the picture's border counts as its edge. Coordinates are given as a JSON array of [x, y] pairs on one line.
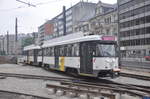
[[134, 32]]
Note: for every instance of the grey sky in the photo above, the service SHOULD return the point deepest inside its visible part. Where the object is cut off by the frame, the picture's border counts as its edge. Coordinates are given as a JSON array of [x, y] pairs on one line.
[[29, 18]]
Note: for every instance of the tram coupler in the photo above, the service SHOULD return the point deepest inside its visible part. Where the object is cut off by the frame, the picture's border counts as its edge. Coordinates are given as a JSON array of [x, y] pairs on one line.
[[115, 73]]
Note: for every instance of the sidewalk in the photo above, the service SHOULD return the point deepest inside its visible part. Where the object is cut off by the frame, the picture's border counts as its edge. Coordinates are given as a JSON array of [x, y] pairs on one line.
[[136, 71]]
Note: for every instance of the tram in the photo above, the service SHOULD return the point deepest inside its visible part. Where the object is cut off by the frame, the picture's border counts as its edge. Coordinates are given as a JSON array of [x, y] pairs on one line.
[[92, 55], [32, 55]]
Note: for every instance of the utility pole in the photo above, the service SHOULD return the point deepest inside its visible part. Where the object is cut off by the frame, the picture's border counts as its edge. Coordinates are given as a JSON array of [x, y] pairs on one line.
[[16, 30], [118, 37], [3, 46], [7, 43], [34, 38], [64, 20], [16, 38]]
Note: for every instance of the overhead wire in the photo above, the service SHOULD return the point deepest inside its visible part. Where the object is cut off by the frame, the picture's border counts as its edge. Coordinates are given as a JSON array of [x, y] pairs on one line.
[[48, 2], [10, 9], [37, 4]]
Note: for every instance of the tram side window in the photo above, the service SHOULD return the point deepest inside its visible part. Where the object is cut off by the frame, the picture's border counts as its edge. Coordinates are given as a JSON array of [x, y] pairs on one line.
[[31, 53], [65, 50], [25, 53], [69, 50], [75, 50], [45, 53], [56, 51], [98, 51], [49, 51], [61, 51], [52, 51], [40, 52]]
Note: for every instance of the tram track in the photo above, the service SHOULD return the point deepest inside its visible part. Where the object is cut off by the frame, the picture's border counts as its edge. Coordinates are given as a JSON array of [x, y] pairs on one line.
[[27, 76], [112, 84], [99, 88], [100, 83], [19, 95], [141, 77]]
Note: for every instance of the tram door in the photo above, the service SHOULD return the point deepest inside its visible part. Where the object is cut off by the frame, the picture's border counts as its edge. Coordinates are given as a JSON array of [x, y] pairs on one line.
[[86, 64], [35, 54], [27, 52], [56, 52]]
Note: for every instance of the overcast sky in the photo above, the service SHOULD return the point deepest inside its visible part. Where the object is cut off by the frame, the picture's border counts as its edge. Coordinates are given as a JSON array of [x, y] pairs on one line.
[[29, 18]]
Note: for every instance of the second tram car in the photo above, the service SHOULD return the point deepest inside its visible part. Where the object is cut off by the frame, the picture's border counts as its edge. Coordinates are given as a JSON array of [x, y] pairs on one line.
[[33, 55]]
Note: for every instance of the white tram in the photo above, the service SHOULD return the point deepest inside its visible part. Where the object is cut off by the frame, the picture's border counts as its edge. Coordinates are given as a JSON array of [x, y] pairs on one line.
[[92, 55], [33, 55]]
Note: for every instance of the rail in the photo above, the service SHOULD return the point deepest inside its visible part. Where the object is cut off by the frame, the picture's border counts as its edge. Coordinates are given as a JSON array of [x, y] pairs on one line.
[[21, 94], [120, 88], [141, 77], [81, 91]]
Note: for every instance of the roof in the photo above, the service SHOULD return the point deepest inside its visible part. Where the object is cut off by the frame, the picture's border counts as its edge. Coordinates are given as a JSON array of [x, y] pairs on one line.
[[67, 40], [107, 4], [31, 47], [81, 2]]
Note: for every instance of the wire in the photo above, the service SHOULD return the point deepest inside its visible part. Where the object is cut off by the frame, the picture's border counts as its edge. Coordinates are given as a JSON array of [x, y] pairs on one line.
[[29, 4], [48, 2], [12, 8], [41, 3]]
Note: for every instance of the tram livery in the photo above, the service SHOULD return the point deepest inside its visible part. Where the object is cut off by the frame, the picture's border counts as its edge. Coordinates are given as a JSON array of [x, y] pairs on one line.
[[93, 55]]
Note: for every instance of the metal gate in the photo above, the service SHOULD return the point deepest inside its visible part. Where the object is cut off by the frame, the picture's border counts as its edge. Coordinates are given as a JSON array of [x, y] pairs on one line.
[[86, 64]]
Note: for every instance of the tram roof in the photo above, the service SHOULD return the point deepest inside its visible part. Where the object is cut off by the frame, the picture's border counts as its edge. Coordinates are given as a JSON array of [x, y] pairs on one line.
[[31, 47], [72, 38]]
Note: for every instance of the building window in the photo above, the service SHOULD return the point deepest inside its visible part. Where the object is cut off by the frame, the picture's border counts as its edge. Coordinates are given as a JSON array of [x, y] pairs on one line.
[[107, 31]]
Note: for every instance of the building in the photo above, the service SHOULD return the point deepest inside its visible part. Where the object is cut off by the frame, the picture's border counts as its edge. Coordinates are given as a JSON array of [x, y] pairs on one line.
[[104, 21], [134, 31], [9, 44], [73, 15], [45, 31], [1, 45], [83, 26], [63, 23]]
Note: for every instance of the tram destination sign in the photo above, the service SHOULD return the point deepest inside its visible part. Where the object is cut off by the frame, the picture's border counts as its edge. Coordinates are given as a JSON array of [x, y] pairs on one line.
[[108, 38]]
